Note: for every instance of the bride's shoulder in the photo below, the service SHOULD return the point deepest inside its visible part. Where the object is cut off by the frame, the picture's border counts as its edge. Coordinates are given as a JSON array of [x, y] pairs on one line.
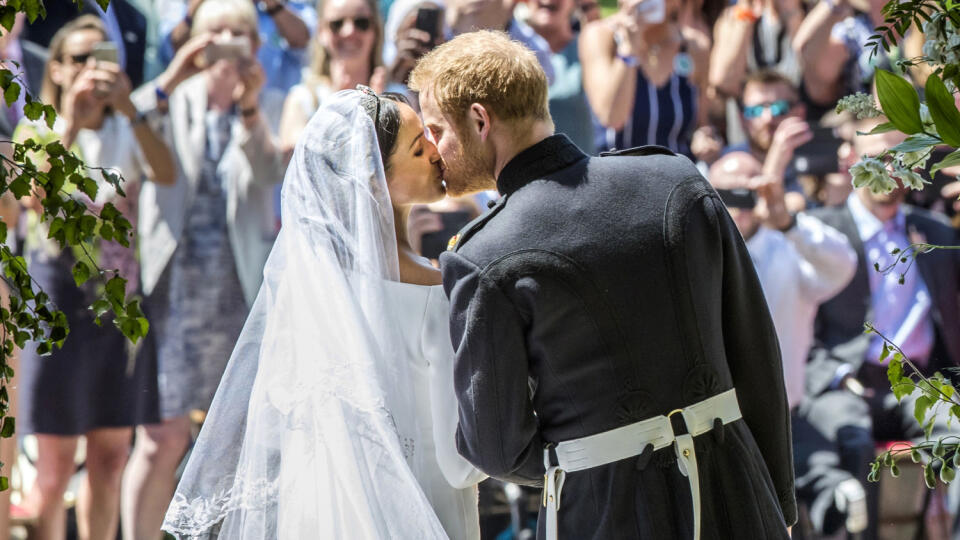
[[419, 271]]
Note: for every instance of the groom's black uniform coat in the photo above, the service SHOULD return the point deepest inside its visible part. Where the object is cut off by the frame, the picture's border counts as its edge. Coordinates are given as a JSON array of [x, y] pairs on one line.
[[620, 287]]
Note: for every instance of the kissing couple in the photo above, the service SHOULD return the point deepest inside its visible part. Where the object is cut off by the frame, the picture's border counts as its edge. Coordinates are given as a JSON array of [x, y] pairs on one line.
[[599, 332]]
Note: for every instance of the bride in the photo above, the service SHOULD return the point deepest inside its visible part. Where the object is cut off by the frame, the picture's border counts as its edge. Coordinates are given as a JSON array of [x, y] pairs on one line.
[[336, 415]]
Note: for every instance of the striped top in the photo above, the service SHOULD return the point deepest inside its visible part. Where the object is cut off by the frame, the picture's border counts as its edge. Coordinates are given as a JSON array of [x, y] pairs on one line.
[[666, 116]]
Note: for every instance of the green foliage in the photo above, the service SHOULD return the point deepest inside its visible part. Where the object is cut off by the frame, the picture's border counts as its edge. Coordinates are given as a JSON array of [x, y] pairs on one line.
[[899, 102], [49, 177]]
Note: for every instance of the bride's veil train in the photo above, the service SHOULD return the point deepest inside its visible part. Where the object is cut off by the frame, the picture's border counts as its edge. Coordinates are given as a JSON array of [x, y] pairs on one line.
[[309, 435]]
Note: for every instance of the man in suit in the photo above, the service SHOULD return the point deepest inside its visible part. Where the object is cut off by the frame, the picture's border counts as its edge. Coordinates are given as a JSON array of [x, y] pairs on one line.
[[921, 315], [612, 339]]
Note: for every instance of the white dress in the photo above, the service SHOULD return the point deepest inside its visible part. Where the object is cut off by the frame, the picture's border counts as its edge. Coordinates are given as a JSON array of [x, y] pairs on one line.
[[448, 480]]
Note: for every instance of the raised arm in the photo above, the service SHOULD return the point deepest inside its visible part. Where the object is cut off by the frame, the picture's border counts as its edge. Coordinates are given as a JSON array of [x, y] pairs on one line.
[[822, 57], [609, 83], [731, 42]]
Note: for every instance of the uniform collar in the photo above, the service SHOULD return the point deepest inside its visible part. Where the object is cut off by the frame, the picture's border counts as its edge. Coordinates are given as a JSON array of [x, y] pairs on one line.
[[547, 156]]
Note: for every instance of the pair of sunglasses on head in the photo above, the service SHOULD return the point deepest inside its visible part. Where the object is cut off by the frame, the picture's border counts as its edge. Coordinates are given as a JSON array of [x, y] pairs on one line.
[[362, 24], [777, 108]]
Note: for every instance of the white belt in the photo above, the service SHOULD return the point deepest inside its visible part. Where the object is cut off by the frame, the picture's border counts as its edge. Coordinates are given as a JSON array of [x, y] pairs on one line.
[[631, 440]]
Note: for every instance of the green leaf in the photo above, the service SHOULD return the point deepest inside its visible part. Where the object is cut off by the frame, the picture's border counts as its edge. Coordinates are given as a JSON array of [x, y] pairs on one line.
[[947, 474], [11, 93], [884, 353], [103, 4], [100, 307], [916, 143], [116, 290], [915, 455], [49, 115], [19, 187], [928, 477], [894, 470], [9, 426], [90, 187], [944, 111], [899, 101], [882, 128], [58, 333], [920, 409], [8, 16], [950, 160], [4, 483], [32, 9], [33, 110], [81, 273]]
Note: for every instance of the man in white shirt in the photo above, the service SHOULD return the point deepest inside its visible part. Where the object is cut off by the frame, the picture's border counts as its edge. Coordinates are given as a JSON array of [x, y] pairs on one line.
[[919, 311], [801, 262]]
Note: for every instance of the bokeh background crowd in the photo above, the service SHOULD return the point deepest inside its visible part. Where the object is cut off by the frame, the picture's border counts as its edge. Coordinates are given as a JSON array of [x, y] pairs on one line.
[[198, 104]]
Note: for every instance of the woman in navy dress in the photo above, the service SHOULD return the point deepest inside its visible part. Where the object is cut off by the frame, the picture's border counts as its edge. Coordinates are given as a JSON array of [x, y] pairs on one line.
[[642, 71]]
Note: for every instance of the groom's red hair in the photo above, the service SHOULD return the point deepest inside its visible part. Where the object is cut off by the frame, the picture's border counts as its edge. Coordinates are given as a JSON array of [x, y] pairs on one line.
[[488, 68]]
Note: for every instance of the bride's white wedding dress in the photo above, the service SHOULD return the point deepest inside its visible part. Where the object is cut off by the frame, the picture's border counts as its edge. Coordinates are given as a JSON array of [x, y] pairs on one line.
[[448, 480], [336, 415]]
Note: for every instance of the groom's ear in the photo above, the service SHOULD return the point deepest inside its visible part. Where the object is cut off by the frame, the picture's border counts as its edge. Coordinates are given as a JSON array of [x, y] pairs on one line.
[[479, 120]]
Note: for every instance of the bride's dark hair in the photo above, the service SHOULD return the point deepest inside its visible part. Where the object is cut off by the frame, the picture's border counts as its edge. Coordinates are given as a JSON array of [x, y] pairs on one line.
[[385, 114]]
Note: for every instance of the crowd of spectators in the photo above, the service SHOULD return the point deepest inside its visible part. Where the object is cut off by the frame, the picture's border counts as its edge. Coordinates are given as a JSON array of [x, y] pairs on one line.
[[198, 104]]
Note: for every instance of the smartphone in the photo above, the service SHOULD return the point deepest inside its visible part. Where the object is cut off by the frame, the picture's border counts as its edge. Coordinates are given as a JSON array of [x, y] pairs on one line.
[[232, 49], [105, 51], [435, 243], [651, 11], [428, 20], [819, 156]]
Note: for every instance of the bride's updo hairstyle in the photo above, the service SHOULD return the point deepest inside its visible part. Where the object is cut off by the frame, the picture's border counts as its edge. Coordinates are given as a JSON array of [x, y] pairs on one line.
[[385, 114]]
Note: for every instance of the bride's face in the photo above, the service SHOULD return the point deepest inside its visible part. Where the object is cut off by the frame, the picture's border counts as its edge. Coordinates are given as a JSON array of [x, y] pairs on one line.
[[413, 171]]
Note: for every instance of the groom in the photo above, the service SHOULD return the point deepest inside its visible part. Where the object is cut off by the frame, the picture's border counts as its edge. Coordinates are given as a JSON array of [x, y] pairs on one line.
[[613, 343]]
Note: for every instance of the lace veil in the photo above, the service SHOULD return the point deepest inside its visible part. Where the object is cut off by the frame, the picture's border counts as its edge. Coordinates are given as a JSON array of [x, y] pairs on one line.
[[306, 437]]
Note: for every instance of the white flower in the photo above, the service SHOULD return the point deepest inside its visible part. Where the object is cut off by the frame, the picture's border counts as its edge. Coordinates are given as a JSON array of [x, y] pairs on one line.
[[872, 173], [910, 179], [860, 104], [914, 160]]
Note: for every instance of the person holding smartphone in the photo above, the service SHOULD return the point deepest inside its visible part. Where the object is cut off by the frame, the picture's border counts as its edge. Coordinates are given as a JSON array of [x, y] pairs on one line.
[[413, 28], [88, 388], [642, 68], [204, 240]]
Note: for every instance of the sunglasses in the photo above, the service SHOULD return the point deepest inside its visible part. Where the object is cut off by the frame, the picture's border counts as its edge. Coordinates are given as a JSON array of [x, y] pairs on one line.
[[777, 109], [362, 24]]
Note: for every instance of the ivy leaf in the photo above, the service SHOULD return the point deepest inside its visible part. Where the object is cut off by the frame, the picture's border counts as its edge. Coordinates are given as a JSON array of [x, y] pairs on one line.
[[943, 110], [899, 101], [116, 290], [33, 8], [916, 143], [81, 273], [20, 187], [8, 16], [33, 110], [49, 115], [11, 93], [100, 307]]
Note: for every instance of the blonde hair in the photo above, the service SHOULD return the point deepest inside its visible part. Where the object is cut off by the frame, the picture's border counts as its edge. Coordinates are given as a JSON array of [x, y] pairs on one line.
[[239, 11], [488, 68], [51, 92], [319, 70]]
